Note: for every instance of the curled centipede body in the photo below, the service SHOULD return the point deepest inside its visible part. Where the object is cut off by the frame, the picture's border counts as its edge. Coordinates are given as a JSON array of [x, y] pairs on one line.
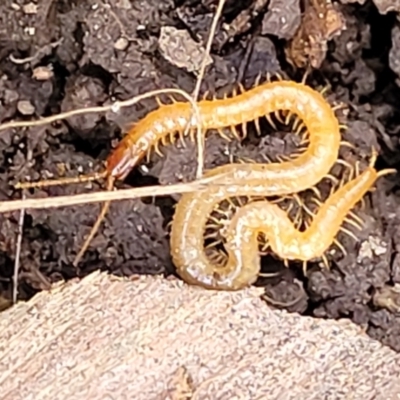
[[252, 180]]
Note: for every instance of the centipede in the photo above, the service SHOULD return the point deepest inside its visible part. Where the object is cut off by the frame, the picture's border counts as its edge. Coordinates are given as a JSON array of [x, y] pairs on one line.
[[300, 172]]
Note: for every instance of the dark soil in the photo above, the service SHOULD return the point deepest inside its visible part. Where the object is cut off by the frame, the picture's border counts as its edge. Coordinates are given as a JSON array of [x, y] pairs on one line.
[[67, 54]]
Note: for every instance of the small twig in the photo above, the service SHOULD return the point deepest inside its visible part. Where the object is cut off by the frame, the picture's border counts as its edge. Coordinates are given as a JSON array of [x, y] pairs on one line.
[[43, 50], [18, 253], [114, 107], [200, 137]]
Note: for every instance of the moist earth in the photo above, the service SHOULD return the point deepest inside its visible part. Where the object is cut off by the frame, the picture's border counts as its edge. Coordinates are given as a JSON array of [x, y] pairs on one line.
[[63, 55]]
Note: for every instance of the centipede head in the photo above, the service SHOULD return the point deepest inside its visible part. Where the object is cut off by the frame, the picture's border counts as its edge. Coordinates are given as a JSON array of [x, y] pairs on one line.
[[124, 158]]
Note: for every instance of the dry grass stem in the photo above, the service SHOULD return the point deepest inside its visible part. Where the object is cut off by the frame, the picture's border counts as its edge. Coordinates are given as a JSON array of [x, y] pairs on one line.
[[102, 196], [200, 137]]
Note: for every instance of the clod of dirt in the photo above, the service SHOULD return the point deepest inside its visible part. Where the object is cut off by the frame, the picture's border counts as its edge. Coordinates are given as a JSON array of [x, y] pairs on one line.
[[83, 92], [388, 297], [9, 97], [25, 107], [180, 49], [321, 22], [394, 53], [385, 6], [282, 19]]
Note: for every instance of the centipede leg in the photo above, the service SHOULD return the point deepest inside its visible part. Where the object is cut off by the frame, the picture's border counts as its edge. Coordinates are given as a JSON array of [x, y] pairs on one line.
[[349, 233], [325, 261], [345, 143], [340, 246], [354, 223], [344, 163], [272, 123], [278, 116], [356, 217], [305, 267]]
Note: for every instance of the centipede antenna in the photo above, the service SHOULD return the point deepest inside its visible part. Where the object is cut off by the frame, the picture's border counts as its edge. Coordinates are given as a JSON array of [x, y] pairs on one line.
[[61, 181], [96, 226]]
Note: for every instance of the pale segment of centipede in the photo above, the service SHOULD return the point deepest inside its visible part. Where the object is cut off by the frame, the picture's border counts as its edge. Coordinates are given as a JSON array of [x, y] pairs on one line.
[[242, 246]]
